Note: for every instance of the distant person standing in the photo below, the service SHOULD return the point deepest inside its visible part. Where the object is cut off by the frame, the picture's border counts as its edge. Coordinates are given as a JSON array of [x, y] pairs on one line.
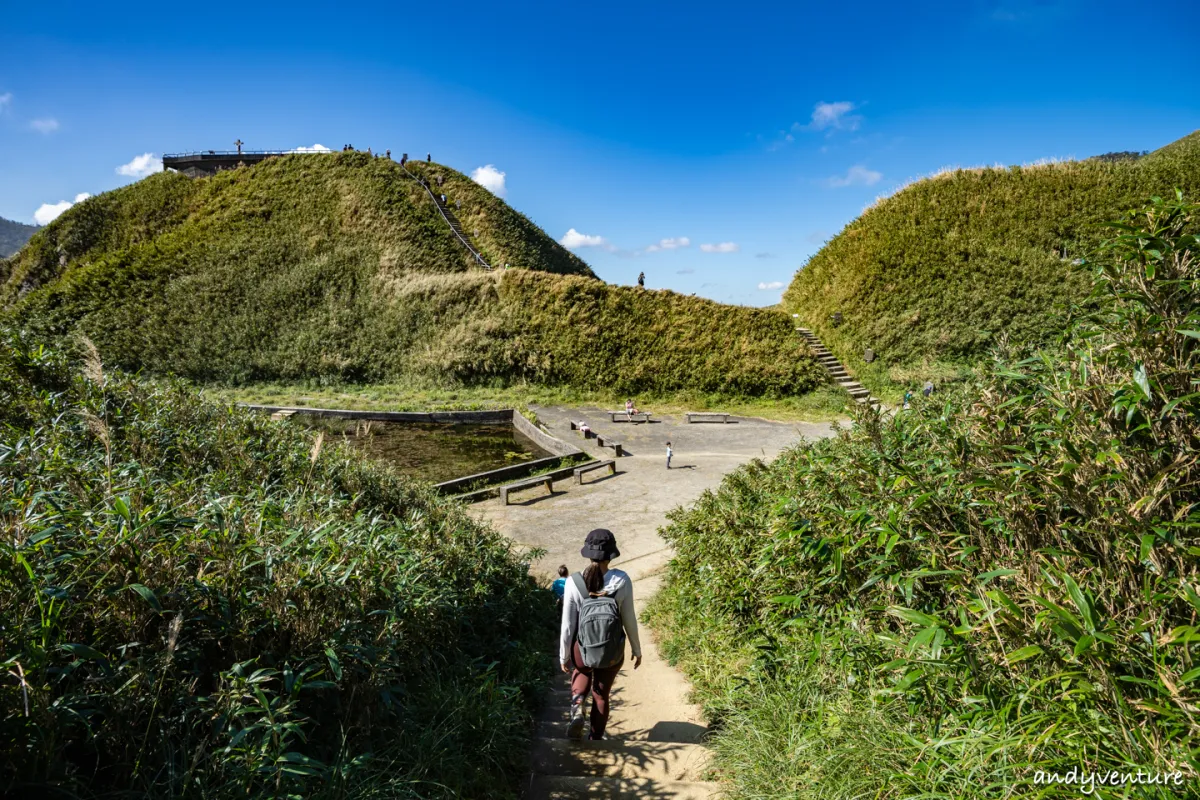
[[642, 280], [670, 453], [429, 158], [403, 159], [907, 399], [387, 154], [928, 390]]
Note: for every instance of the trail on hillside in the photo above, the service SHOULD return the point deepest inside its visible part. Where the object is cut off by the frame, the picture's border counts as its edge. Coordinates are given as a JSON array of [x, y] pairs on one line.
[[654, 745]]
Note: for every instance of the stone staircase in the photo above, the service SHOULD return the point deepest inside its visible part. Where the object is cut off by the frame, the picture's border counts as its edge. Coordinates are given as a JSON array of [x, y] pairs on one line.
[[450, 219], [844, 379], [663, 761]]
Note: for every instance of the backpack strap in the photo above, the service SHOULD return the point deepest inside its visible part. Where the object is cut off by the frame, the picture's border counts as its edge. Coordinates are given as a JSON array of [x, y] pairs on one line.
[[581, 587]]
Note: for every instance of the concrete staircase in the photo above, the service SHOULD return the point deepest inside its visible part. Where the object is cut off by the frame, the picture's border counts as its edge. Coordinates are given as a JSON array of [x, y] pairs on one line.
[[844, 379], [450, 219], [664, 761]]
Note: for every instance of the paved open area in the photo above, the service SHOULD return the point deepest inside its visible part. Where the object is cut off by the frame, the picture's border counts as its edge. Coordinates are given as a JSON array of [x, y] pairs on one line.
[[653, 746], [634, 502]]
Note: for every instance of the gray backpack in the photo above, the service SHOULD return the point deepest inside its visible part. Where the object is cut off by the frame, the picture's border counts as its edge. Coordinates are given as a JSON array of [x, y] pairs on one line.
[[600, 633]]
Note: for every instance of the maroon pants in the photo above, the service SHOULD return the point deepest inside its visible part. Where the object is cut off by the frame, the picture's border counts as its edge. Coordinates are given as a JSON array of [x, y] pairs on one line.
[[599, 681]]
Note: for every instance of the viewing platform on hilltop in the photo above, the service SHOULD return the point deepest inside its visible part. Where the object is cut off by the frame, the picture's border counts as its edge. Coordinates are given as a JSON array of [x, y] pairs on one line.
[[204, 163]]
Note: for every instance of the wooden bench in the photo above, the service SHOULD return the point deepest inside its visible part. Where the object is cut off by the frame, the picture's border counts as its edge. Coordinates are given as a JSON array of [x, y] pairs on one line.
[[544, 480], [608, 441], [621, 416], [612, 467], [710, 416], [282, 414]]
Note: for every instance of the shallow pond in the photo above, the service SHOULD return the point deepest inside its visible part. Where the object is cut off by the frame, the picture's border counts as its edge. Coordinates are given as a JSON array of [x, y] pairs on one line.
[[432, 451]]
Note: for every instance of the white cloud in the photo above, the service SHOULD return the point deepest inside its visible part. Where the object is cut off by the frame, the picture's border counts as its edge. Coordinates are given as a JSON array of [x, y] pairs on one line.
[[832, 116], [44, 125], [492, 179], [48, 212], [668, 244], [685, 271], [764, 255], [141, 166], [5, 100], [770, 287], [858, 175], [316, 148], [573, 240], [723, 247]]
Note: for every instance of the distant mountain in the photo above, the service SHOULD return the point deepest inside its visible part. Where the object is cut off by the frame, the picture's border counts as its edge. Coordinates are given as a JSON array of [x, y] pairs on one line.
[[13, 236]]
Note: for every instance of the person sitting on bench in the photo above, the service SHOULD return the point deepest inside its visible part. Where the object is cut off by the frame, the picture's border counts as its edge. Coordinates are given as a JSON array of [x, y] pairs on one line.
[[630, 409], [585, 429]]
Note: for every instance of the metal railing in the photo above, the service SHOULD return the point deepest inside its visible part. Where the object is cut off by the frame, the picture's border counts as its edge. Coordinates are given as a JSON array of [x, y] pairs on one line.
[[244, 153], [478, 257]]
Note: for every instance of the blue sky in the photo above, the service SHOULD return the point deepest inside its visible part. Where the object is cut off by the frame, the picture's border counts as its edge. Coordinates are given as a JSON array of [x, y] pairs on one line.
[[752, 132]]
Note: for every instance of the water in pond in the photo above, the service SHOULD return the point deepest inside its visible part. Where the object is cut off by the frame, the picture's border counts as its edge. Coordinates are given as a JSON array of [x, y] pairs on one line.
[[433, 451]]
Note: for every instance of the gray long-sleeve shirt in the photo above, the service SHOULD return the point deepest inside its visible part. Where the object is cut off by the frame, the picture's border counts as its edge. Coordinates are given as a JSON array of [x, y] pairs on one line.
[[617, 585]]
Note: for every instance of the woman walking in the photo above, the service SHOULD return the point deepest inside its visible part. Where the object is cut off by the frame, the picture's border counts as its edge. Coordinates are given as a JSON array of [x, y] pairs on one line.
[[598, 616]]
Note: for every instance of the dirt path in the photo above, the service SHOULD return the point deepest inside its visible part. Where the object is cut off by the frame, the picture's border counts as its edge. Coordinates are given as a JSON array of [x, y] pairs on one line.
[[654, 745]]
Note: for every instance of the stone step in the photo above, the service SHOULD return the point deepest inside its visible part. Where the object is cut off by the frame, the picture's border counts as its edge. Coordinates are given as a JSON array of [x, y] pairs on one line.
[[571, 787], [616, 758]]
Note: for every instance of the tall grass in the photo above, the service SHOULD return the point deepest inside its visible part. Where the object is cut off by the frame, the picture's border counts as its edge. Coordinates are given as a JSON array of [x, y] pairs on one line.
[[1001, 581], [939, 273], [197, 602]]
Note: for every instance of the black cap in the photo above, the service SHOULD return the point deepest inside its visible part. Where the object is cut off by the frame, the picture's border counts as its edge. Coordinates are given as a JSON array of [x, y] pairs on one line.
[[600, 545]]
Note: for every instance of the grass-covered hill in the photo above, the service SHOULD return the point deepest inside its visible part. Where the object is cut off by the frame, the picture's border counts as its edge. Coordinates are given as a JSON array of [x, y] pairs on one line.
[[1000, 584], [943, 268], [337, 268], [13, 236], [198, 602]]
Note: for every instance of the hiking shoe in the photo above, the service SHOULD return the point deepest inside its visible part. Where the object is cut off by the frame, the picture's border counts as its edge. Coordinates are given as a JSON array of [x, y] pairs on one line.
[[575, 727]]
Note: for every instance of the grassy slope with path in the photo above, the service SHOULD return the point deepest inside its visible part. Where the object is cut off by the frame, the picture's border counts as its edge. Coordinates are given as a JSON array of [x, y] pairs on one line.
[[338, 268], [931, 277]]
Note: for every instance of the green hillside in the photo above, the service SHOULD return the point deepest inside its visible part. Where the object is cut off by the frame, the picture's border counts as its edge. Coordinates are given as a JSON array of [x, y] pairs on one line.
[[337, 268], [200, 602], [941, 270], [996, 584], [13, 236]]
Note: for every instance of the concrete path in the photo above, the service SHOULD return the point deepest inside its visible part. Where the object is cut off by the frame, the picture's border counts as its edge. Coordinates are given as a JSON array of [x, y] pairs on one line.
[[654, 748]]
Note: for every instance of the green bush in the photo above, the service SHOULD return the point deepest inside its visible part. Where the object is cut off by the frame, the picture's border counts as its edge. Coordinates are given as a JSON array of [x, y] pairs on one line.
[[198, 602], [1001, 580], [948, 267]]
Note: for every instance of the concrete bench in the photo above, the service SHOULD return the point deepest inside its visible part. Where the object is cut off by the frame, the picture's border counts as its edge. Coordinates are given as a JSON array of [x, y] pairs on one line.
[[706, 416], [608, 441], [621, 416], [578, 425], [544, 480], [612, 469]]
